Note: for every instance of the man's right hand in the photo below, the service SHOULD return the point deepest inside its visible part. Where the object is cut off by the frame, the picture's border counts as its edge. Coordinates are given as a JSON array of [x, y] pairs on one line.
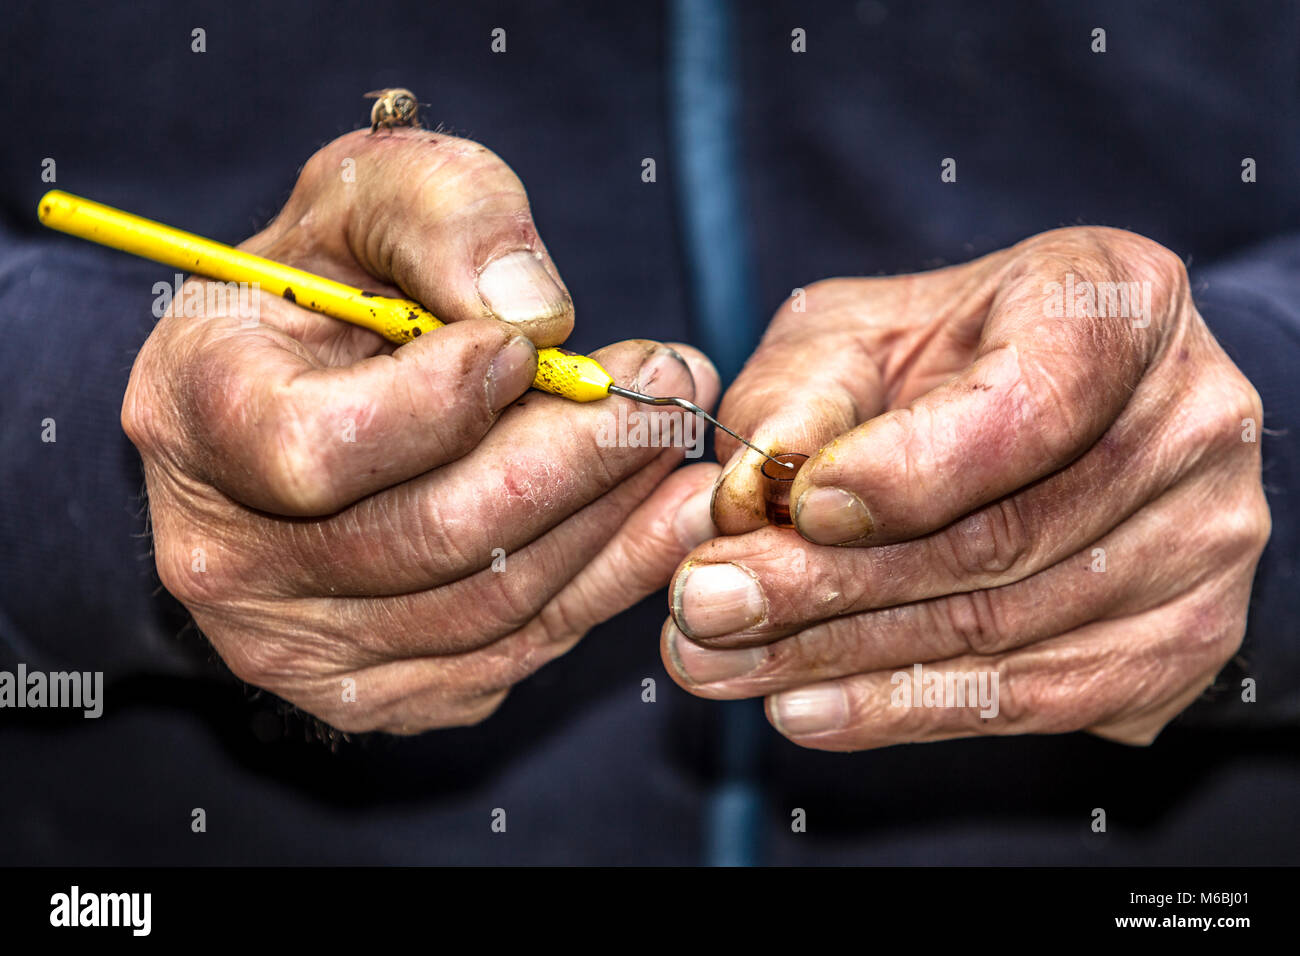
[[337, 515]]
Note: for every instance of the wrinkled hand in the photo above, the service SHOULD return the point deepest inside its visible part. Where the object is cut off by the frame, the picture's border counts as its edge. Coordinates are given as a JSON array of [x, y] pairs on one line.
[[336, 513], [1058, 498]]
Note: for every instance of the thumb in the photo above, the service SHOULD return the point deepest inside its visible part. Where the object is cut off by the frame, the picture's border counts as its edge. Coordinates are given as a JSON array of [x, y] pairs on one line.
[[811, 379], [443, 219], [1040, 391]]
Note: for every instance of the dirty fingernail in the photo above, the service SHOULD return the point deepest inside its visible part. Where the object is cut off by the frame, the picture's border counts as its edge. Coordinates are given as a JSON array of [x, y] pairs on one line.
[[511, 372], [517, 288], [715, 599], [811, 710], [832, 516], [704, 665], [694, 521]]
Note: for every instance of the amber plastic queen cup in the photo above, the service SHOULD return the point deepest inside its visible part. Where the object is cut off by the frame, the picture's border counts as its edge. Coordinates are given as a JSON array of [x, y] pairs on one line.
[[777, 482]]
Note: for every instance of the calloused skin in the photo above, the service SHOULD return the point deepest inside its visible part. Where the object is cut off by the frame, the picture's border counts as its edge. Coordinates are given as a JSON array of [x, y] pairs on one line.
[[330, 508], [1071, 503]]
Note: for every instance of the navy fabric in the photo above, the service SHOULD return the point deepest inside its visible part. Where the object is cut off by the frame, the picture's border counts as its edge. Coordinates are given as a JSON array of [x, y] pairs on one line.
[[838, 172]]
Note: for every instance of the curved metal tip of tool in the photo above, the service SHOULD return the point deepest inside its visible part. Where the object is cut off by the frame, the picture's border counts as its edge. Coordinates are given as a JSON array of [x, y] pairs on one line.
[[692, 407]]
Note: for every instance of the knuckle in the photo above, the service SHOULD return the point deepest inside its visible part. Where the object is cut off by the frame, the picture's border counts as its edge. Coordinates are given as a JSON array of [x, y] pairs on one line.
[[1242, 405], [807, 299], [175, 571], [907, 436], [270, 431], [1032, 702], [1121, 250], [1136, 734], [1208, 632], [1142, 256], [1115, 257], [1208, 422], [439, 543], [511, 601], [1167, 269], [1014, 711], [346, 720], [376, 645], [1249, 402], [320, 164], [479, 709], [519, 661], [258, 659], [973, 618], [296, 472], [1226, 640], [467, 421], [441, 714], [199, 576], [218, 395], [1223, 426], [542, 639], [1236, 400], [991, 546], [610, 465], [290, 659], [1218, 415], [294, 485], [817, 651], [560, 626], [823, 291], [139, 416], [1261, 525], [430, 374], [1244, 529], [1063, 418]]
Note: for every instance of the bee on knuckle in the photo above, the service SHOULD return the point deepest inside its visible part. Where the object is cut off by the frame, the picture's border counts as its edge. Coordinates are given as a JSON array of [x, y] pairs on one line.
[[394, 107]]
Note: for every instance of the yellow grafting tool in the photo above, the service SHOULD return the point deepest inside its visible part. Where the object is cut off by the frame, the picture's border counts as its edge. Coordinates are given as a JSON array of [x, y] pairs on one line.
[[561, 372]]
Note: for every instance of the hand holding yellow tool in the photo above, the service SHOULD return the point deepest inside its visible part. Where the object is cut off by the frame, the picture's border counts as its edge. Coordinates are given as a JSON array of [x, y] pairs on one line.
[[559, 371]]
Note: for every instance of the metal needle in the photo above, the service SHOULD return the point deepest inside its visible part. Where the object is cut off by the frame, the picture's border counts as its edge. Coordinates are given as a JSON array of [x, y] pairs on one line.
[[692, 407]]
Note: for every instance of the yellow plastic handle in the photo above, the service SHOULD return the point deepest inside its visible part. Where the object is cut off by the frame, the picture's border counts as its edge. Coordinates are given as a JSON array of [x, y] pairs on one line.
[[563, 373], [570, 375]]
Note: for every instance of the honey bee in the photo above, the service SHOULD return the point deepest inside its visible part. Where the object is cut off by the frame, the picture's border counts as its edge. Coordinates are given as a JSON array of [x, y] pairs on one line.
[[394, 107]]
